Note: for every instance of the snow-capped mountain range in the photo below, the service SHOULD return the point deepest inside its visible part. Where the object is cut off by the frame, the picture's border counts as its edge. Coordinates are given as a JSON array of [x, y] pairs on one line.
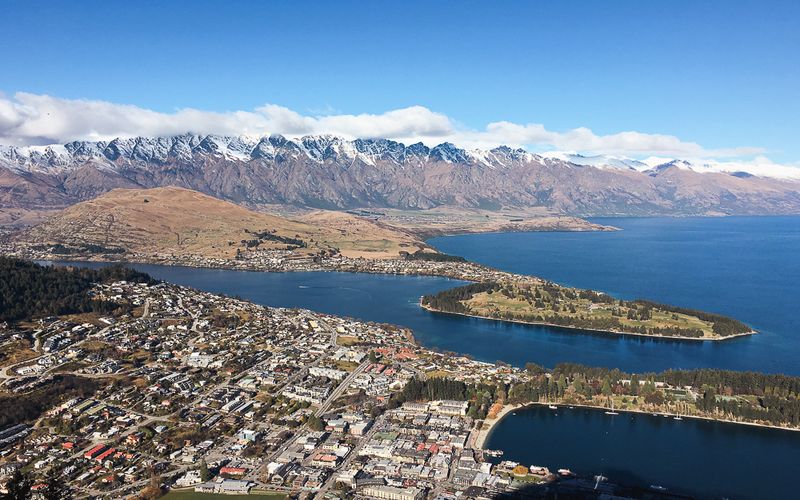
[[331, 172], [243, 148], [321, 148], [654, 163]]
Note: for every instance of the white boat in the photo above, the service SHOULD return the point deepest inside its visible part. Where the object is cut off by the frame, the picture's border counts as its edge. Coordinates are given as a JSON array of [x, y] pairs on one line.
[[611, 413], [677, 417], [552, 407]]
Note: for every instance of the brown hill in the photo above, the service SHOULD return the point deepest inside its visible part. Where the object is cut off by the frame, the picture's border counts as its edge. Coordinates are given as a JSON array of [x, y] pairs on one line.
[[174, 220]]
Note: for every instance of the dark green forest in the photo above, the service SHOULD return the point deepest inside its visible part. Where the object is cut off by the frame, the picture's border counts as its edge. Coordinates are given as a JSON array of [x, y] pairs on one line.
[[728, 394], [434, 257], [29, 290], [15, 409], [773, 398], [450, 300], [60, 249], [723, 325], [480, 396]]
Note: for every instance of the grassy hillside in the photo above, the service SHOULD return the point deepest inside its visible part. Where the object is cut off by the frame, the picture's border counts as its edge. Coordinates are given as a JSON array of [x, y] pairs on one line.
[[180, 221]]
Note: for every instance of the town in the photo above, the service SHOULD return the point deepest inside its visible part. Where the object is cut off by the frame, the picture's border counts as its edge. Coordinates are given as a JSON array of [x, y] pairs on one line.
[[158, 387], [274, 260], [193, 390]]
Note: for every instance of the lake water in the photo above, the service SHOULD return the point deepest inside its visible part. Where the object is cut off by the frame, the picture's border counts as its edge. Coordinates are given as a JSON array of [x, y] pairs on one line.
[[744, 267], [707, 459], [394, 299]]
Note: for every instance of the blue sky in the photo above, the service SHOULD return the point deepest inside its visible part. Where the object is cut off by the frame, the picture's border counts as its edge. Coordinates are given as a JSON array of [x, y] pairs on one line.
[[719, 74]]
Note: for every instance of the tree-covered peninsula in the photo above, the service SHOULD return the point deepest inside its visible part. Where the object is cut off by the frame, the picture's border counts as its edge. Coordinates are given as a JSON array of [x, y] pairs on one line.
[[541, 302]]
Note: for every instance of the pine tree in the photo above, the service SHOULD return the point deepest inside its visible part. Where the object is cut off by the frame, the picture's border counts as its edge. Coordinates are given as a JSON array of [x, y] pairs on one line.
[[55, 488], [634, 385], [606, 388], [315, 423], [205, 475], [18, 487]]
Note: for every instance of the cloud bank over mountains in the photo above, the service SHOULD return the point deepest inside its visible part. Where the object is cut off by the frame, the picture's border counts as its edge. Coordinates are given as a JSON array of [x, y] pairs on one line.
[[37, 119]]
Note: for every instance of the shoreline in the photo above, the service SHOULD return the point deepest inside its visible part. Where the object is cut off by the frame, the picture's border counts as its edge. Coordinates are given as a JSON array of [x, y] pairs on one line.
[[588, 330], [489, 424], [422, 268], [317, 267], [425, 235], [484, 433]]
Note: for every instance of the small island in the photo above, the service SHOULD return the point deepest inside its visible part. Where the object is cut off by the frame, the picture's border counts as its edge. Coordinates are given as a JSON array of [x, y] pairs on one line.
[[544, 303]]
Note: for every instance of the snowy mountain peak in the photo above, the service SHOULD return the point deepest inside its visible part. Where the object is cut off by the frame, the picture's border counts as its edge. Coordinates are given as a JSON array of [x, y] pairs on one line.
[[450, 153], [329, 148]]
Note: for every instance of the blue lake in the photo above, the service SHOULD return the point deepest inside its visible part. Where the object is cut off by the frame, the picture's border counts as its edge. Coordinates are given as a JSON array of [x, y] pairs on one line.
[[705, 459], [394, 299], [744, 267], [748, 268]]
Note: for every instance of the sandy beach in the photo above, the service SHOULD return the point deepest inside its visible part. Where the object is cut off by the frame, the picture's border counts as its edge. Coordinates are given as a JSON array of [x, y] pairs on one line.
[[489, 423]]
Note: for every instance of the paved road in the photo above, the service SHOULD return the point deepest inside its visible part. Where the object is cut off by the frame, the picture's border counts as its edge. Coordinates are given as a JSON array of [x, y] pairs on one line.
[[352, 456], [341, 388]]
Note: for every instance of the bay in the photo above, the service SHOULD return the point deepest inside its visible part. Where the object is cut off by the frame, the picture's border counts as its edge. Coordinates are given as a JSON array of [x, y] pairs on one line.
[[744, 267], [394, 299], [705, 459]]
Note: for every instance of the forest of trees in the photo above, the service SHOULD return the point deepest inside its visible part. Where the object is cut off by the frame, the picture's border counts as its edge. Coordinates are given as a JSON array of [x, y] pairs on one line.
[[433, 389], [770, 398], [19, 408], [60, 249], [480, 396], [774, 399], [450, 300], [434, 256], [723, 325], [29, 290], [261, 236]]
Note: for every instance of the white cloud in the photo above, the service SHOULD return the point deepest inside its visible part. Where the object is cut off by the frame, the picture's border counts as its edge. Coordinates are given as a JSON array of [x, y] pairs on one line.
[[30, 119]]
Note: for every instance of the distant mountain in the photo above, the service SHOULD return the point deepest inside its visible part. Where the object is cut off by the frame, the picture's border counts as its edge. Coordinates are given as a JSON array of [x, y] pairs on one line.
[[179, 221], [330, 172]]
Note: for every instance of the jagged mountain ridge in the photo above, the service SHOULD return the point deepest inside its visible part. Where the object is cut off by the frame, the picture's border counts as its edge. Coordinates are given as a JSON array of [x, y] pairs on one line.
[[330, 172]]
